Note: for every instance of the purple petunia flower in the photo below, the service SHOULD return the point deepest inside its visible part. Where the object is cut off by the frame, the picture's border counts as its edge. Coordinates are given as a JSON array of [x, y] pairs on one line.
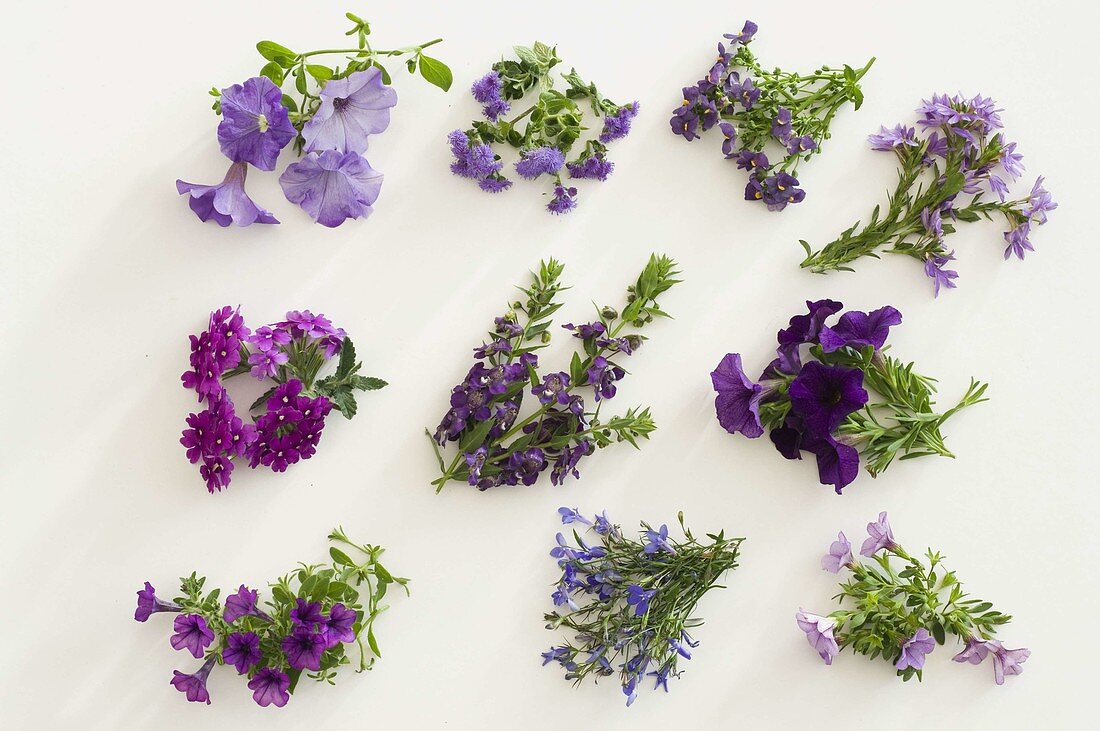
[[941, 277], [891, 139], [339, 627], [738, 401], [243, 604], [879, 536], [840, 554], [194, 685], [837, 462], [859, 329], [540, 160], [915, 649], [639, 598], [806, 328], [617, 125], [565, 200], [270, 687], [819, 633], [307, 614], [225, 203], [242, 651], [148, 604], [351, 110], [1007, 662], [331, 186], [823, 396], [255, 125], [303, 648], [192, 634]]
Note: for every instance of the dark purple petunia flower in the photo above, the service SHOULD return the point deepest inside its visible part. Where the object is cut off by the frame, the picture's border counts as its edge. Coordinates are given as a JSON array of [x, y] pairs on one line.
[[339, 625], [915, 649], [225, 203], [148, 603], [270, 687], [738, 401], [194, 685], [351, 110], [243, 604], [617, 125], [304, 647], [540, 160], [823, 396], [242, 651], [255, 125], [787, 440], [192, 634], [859, 329], [331, 186], [837, 462], [806, 328], [565, 200], [307, 614]]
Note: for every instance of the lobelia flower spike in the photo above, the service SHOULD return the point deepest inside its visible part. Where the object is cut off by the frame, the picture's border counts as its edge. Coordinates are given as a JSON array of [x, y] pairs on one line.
[[315, 616], [551, 127], [960, 151], [900, 607], [850, 402], [760, 109], [330, 114], [498, 446], [628, 608], [288, 429]]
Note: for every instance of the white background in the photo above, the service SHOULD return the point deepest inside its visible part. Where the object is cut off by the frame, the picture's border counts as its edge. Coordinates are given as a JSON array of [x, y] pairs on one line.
[[106, 272]]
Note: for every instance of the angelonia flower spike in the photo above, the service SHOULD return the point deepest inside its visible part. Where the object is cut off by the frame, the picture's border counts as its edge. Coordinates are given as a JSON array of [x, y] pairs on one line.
[[291, 413], [903, 615], [315, 615], [816, 395], [329, 115], [960, 151], [551, 126], [628, 603], [771, 120], [502, 443]]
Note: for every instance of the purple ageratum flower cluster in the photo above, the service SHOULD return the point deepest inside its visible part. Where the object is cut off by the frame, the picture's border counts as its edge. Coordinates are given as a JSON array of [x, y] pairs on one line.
[[624, 603]]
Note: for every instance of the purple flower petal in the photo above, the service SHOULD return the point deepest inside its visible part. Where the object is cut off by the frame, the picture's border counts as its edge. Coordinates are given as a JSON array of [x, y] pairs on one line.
[[332, 187], [351, 110]]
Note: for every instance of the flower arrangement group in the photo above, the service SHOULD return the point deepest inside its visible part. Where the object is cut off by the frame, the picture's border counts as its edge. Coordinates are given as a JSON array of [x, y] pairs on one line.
[[291, 413], [495, 444], [329, 115], [961, 151], [545, 133], [314, 615], [628, 603], [902, 615], [760, 110], [823, 405]]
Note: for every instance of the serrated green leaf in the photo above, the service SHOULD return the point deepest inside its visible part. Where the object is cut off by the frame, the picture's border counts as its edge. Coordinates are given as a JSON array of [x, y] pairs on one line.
[[369, 383]]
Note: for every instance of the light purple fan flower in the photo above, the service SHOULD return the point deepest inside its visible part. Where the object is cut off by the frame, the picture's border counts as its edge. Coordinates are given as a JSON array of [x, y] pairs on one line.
[[352, 109], [941, 277], [225, 203], [915, 649], [332, 187], [879, 536], [255, 125], [819, 633], [840, 554], [270, 687], [194, 685], [192, 634], [738, 401], [891, 139]]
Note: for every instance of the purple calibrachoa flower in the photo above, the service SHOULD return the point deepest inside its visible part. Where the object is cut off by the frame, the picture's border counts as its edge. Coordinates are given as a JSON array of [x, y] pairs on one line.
[[192, 634], [194, 685], [148, 604], [540, 160], [304, 647], [738, 401], [819, 633], [915, 649], [879, 536], [1005, 661], [332, 187], [242, 651], [255, 125], [270, 686], [243, 604], [339, 626], [823, 396], [351, 110], [839, 555], [225, 203], [859, 329]]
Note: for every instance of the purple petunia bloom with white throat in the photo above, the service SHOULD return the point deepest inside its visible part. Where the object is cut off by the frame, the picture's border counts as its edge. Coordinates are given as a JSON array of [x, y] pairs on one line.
[[255, 125], [351, 110]]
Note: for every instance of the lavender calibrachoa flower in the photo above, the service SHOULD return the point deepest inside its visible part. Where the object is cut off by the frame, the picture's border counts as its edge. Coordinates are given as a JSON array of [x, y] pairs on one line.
[[758, 109], [315, 615], [496, 446], [330, 115], [824, 406], [554, 124], [290, 354], [902, 614], [960, 151], [628, 608]]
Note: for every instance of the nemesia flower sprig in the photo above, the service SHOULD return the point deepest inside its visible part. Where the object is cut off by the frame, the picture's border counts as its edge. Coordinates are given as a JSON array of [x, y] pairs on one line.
[[961, 151], [314, 614], [901, 615], [552, 125], [628, 603], [758, 110], [291, 413], [495, 445], [329, 114], [823, 405]]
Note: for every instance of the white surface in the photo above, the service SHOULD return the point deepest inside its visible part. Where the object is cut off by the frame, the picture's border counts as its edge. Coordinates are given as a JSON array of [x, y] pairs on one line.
[[106, 271]]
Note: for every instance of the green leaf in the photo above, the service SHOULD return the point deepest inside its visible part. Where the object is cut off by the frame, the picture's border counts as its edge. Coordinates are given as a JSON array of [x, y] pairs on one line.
[[272, 51], [435, 72], [344, 401], [347, 359], [319, 72], [385, 74], [476, 436], [274, 72], [289, 103], [372, 641], [340, 557], [368, 383], [526, 55], [299, 80]]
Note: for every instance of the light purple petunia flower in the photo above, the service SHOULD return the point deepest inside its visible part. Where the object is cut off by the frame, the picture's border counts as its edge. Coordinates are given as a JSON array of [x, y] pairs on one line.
[[819, 633], [332, 187], [242, 651], [226, 203], [194, 685], [352, 109], [857, 329], [148, 604], [840, 554], [192, 634], [738, 401], [1005, 661], [255, 125], [915, 649], [879, 536], [270, 687]]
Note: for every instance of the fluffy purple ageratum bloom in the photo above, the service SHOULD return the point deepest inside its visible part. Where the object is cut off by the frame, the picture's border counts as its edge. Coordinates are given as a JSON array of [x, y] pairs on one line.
[[840, 554], [255, 125], [331, 186], [823, 396], [617, 125], [476, 161], [352, 109], [595, 167], [304, 647], [859, 329], [487, 92], [819, 633], [148, 603], [270, 687], [891, 139], [226, 203], [242, 651], [879, 536], [194, 685], [915, 649], [738, 401], [565, 200], [192, 634], [540, 160]]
